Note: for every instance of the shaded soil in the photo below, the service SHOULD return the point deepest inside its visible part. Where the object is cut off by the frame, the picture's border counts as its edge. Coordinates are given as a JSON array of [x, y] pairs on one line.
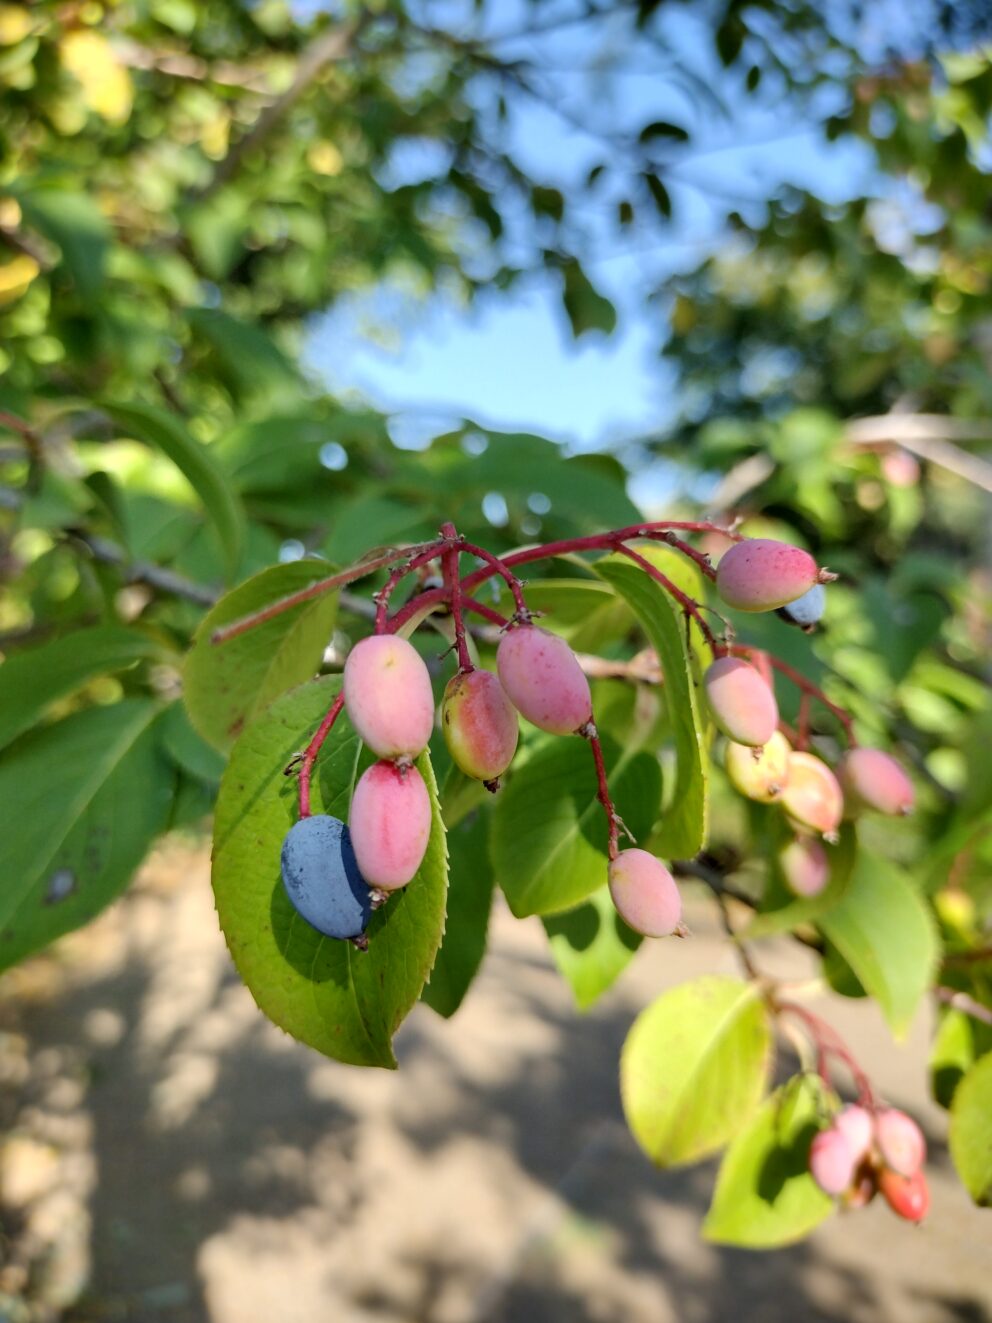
[[170, 1155]]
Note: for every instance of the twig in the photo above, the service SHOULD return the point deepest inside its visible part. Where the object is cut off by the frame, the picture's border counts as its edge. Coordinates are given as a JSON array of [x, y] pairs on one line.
[[961, 1001], [931, 437], [140, 571]]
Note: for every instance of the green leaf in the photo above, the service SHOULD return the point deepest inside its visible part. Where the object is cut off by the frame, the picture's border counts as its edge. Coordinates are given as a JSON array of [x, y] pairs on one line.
[[163, 432], [227, 684], [189, 750], [971, 1131], [341, 1001], [587, 309], [694, 1067], [765, 1196], [31, 681], [958, 1044], [83, 799], [592, 946], [470, 894], [251, 362], [549, 831], [75, 223], [886, 933], [683, 830]]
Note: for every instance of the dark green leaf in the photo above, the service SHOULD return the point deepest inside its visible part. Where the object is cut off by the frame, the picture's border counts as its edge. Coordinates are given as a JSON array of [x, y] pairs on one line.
[[971, 1131], [343, 1002], [592, 946], [75, 223], [470, 894], [587, 309]]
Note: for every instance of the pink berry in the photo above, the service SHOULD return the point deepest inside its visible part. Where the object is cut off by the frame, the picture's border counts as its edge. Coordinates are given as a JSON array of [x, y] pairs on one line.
[[479, 724], [760, 774], [858, 1128], [645, 893], [390, 824], [543, 679], [873, 780], [388, 697], [760, 574], [907, 1196], [900, 1141], [831, 1162], [805, 866], [742, 704], [812, 794]]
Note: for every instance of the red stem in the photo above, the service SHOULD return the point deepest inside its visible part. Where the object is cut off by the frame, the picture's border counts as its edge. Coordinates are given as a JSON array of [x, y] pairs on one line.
[[829, 1043], [454, 585], [685, 602], [590, 733], [510, 579], [312, 749], [487, 612], [399, 573]]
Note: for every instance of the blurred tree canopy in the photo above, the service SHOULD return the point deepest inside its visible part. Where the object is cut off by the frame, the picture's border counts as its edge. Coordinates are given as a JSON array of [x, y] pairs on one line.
[[185, 185]]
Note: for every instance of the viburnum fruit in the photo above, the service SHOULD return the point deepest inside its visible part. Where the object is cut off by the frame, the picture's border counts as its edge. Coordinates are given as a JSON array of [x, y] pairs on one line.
[[322, 877], [805, 865], [863, 1187], [390, 821], [856, 1125], [388, 696], [760, 574], [543, 679], [806, 611], [479, 724], [760, 774], [907, 1196], [831, 1162], [741, 701], [645, 893], [812, 795], [872, 779], [900, 1141]]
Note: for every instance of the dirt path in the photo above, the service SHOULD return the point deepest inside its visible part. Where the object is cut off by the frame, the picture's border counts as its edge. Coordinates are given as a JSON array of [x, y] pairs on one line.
[[192, 1163]]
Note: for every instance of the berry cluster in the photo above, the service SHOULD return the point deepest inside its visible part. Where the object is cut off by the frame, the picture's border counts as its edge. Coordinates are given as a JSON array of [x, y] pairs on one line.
[[337, 874], [865, 1150]]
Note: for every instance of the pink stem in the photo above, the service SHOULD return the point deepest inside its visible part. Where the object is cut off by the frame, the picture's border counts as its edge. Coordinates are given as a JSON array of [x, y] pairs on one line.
[[590, 733], [510, 579], [454, 586], [829, 1043], [399, 573], [312, 749]]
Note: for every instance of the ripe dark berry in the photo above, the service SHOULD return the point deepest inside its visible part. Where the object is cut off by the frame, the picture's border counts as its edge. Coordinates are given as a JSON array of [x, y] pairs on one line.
[[806, 611], [322, 877]]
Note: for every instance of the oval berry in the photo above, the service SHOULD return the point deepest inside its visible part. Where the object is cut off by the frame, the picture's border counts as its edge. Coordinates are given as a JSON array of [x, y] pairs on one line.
[[907, 1196], [900, 1141], [645, 894], [805, 866], [858, 1128], [760, 574], [543, 679], [812, 794], [390, 823], [388, 696], [322, 878], [759, 774], [806, 611], [741, 701], [872, 779], [831, 1162], [479, 724]]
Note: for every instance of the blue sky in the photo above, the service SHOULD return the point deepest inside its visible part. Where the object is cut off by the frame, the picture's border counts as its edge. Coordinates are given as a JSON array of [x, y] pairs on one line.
[[510, 361]]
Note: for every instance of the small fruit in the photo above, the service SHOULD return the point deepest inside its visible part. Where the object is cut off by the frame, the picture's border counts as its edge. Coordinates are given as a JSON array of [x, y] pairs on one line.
[[543, 679], [760, 574], [812, 795], [645, 893], [390, 823], [863, 1187], [858, 1128], [872, 779], [900, 1141], [831, 1162], [742, 704], [805, 866], [388, 696], [479, 724], [806, 611], [759, 774], [907, 1196], [322, 877]]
